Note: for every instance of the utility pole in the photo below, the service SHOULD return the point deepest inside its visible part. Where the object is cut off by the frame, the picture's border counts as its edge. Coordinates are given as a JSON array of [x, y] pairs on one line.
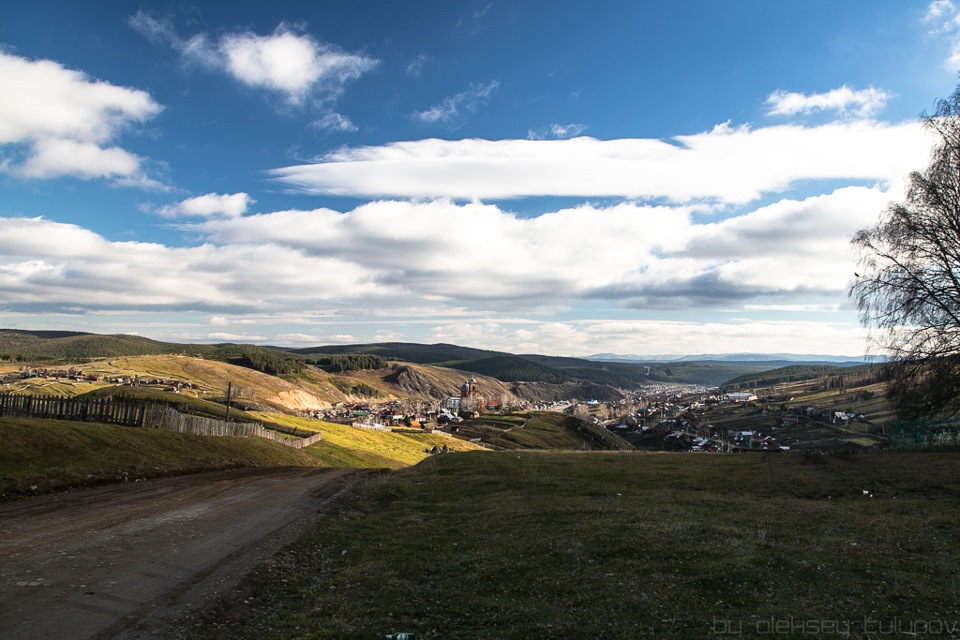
[[229, 388]]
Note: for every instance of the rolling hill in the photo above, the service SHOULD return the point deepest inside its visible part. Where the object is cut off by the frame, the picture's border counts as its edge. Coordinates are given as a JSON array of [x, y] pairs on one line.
[[549, 369], [19, 345]]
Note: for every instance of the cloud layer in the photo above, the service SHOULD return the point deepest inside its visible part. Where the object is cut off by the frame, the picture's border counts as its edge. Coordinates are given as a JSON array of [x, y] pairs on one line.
[[473, 255], [395, 262]]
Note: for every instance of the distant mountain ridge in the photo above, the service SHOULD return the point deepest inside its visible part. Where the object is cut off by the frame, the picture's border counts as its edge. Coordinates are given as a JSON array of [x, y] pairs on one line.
[[606, 370], [734, 357]]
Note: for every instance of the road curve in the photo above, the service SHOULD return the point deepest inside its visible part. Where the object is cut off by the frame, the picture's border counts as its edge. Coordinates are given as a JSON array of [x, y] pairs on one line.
[[125, 561]]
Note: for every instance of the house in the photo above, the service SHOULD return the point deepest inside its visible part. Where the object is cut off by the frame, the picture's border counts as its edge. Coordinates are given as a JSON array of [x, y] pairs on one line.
[[453, 404]]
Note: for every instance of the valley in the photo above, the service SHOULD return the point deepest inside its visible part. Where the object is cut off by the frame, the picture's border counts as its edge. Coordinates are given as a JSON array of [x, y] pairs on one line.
[[555, 507]]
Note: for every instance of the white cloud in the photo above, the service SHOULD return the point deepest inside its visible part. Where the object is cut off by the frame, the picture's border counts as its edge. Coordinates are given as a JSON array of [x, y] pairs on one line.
[[223, 321], [724, 165], [453, 106], [415, 67], [295, 65], [656, 337], [944, 18], [557, 132], [863, 103], [335, 122], [53, 157], [235, 337], [56, 121], [211, 204]]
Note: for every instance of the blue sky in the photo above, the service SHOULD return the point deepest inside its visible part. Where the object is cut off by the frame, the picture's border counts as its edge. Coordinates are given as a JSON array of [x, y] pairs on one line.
[[555, 177]]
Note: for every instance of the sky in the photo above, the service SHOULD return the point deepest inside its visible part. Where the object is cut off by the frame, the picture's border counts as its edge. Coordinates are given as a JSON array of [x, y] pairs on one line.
[[541, 176]]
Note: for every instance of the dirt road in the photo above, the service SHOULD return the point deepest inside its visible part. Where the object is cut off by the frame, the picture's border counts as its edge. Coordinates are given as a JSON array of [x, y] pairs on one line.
[[127, 561]]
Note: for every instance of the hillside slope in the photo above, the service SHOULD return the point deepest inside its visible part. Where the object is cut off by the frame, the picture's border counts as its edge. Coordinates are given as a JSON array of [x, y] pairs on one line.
[[308, 390]]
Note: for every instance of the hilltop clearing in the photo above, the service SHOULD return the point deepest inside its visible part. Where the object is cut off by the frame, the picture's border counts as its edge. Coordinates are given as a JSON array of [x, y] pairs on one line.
[[621, 545]]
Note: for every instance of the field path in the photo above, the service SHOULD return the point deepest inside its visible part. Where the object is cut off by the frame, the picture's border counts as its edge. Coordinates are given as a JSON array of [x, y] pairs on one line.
[[127, 561]]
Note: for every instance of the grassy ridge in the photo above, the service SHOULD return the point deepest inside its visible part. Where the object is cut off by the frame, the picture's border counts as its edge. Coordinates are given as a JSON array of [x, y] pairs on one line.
[[599, 545], [796, 373], [39, 456]]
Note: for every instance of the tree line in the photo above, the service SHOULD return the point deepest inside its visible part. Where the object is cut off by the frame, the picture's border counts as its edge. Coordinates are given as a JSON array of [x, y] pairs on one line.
[[350, 362]]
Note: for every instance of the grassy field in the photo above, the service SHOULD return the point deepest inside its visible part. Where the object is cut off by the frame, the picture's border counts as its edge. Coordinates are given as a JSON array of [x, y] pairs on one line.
[[622, 545], [39, 456]]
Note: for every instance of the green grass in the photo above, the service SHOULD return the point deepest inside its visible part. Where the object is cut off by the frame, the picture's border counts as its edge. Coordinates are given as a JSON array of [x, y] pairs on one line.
[[40, 456], [620, 545], [533, 430]]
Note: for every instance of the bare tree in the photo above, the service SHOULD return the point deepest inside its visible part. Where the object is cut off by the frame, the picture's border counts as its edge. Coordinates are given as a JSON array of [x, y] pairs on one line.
[[908, 286]]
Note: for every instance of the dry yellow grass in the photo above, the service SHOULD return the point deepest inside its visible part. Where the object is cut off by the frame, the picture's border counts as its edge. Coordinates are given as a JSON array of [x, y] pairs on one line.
[[356, 447]]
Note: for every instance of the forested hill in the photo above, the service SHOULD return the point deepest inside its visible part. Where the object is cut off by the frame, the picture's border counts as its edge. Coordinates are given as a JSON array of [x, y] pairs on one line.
[[551, 369], [861, 374], [406, 351], [66, 345]]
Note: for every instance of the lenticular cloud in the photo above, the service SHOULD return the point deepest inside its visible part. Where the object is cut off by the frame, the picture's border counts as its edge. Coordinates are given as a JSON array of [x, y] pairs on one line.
[[727, 165]]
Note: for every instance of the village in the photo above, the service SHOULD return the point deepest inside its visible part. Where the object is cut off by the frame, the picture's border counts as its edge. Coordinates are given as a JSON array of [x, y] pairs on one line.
[[656, 417], [79, 375]]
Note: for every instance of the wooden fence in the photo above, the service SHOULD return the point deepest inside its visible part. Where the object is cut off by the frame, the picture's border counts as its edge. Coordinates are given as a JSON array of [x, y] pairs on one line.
[[139, 413], [163, 417], [109, 410], [924, 434]]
